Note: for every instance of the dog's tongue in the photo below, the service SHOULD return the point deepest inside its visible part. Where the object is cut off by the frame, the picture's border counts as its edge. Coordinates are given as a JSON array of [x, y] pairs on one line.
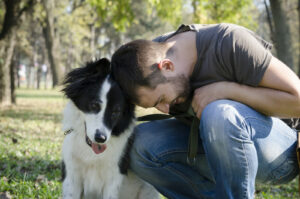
[[97, 148]]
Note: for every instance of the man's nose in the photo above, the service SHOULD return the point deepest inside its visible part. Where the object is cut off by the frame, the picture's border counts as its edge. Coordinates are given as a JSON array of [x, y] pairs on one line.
[[163, 107]]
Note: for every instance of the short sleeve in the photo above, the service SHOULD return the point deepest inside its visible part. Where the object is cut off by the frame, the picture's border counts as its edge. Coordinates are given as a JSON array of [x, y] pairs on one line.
[[243, 56], [163, 37]]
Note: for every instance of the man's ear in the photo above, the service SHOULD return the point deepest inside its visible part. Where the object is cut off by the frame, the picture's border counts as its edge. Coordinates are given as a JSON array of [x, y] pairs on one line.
[[166, 65]]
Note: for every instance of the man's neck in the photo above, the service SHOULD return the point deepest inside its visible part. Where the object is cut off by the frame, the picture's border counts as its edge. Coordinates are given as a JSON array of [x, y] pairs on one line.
[[183, 52]]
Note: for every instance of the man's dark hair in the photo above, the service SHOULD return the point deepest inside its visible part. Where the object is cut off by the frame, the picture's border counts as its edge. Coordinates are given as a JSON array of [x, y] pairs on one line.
[[136, 64]]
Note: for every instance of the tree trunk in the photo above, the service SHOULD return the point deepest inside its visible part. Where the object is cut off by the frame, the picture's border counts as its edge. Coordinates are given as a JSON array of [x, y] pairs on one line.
[[13, 67], [282, 35], [38, 76], [299, 37], [51, 44], [13, 12], [5, 92], [269, 18]]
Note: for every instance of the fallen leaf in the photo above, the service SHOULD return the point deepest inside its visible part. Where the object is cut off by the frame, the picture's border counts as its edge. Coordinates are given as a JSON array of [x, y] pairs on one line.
[[40, 178]]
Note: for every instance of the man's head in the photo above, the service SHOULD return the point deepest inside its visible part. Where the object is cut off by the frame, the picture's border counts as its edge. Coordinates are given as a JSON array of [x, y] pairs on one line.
[[147, 75]]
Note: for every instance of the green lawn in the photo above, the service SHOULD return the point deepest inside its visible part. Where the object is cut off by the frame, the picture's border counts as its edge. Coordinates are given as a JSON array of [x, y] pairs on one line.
[[30, 148]]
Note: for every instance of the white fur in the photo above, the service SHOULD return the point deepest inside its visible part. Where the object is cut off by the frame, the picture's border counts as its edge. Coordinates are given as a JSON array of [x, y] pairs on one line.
[[95, 121], [97, 176]]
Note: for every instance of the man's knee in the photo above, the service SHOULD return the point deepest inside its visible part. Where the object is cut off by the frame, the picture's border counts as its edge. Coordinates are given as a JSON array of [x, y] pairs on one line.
[[221, 122]]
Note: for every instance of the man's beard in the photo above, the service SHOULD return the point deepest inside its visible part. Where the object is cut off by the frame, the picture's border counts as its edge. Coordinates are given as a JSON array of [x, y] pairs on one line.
[[181, 85]]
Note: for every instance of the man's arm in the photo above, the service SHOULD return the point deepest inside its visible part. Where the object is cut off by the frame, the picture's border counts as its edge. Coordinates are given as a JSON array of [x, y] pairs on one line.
[[278, 93]]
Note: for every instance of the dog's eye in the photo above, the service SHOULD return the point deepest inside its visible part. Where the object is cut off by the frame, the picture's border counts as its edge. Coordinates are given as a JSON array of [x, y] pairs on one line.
[[115, 115], [95, 106]]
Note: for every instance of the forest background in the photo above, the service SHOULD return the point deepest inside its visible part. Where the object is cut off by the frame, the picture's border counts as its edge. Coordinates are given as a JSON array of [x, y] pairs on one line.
[[42, 40]]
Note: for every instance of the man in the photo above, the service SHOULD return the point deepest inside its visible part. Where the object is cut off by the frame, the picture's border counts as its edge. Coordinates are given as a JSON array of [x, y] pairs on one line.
[[234, 85]]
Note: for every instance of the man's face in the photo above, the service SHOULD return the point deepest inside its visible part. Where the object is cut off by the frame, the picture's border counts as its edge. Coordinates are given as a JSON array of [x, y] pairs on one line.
[[174, 91]]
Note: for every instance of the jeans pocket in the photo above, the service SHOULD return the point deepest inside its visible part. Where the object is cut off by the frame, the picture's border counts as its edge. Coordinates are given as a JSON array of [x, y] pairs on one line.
[[285, 172]]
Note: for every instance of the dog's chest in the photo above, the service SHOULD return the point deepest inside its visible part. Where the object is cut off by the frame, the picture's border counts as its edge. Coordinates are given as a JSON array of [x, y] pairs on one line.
[[101, 179]]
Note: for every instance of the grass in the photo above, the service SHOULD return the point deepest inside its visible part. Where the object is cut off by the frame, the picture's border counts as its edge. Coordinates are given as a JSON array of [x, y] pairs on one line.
[[30, 149], [30, 145]]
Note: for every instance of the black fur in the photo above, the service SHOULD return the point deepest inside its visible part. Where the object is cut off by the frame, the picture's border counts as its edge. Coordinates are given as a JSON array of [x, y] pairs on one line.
[[124, 162], [119, 112], [83, 84]]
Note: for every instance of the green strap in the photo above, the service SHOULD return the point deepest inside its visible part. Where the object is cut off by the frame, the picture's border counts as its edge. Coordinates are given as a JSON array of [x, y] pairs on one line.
[[193, 142], [153, 117], [194, 132]]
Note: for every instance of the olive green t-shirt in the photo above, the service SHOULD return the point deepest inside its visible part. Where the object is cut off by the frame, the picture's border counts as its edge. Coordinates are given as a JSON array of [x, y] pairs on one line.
[[225, 52]]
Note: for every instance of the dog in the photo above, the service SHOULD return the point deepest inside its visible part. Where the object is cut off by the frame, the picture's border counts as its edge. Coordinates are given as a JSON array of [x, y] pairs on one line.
[[98, 122]]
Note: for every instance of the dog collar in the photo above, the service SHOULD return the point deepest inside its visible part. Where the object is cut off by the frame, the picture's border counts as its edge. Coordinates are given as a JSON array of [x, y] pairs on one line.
[[87, 139], [68, 131]]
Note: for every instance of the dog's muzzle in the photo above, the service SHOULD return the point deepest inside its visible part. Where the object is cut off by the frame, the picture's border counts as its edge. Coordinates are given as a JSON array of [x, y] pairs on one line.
[[97, 148]]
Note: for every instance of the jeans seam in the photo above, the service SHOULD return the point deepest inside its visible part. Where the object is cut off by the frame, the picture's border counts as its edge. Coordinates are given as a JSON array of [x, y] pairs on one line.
[[247, 171], [244, 119]]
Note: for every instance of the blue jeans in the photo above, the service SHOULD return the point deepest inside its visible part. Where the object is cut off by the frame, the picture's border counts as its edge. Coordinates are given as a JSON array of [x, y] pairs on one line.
[[238, 147]]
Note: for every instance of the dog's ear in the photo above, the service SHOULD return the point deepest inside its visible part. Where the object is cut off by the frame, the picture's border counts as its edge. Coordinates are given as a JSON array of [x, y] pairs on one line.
[[101, 66], [78, 77]]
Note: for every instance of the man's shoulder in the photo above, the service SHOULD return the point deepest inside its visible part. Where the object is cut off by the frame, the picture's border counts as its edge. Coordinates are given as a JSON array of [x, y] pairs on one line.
[[219, 29], [180, 29]]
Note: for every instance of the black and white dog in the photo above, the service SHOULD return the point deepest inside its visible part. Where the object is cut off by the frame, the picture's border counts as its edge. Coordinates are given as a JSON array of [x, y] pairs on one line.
[[99, 121]]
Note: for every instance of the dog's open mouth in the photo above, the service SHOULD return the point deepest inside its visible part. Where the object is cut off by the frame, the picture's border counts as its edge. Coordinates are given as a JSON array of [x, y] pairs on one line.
[[97, 148]]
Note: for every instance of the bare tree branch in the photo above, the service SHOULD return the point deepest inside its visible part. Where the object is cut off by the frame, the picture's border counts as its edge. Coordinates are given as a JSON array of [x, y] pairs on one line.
[[13, 12], [269, 18]]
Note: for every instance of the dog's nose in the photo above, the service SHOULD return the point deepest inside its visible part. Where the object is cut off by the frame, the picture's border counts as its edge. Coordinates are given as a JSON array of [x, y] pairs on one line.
[[100, 137]]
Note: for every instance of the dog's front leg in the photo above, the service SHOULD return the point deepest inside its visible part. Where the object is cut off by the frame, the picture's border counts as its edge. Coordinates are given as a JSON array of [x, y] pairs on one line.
[[112, 188], [71, 188]]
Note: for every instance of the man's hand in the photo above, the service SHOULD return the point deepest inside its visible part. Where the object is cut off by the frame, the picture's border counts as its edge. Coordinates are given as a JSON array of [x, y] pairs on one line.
[[207, 94]]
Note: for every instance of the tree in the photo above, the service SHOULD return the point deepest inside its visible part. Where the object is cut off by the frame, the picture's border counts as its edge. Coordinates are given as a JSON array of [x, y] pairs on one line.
[[13, 12], [298, 37], [51, 42], [5, 83], [281, 35]]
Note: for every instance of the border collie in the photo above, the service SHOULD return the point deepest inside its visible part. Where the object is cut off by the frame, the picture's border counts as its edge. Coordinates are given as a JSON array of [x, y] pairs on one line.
[[98, 122]]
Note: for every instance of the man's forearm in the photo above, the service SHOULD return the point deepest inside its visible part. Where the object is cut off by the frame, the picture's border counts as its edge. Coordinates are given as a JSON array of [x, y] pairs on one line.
[[265, 100]]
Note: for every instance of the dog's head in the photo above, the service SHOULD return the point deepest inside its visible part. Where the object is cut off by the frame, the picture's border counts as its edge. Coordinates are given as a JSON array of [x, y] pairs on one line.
[[103, 107]]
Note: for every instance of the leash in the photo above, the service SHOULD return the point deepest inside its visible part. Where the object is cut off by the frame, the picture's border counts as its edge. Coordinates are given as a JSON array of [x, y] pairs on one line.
[[194, 131]]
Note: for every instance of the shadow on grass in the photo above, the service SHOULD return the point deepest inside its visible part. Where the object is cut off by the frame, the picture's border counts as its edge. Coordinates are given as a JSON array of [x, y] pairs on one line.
[[29, 168], [34, 115], [30, 177], [39, 96]]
